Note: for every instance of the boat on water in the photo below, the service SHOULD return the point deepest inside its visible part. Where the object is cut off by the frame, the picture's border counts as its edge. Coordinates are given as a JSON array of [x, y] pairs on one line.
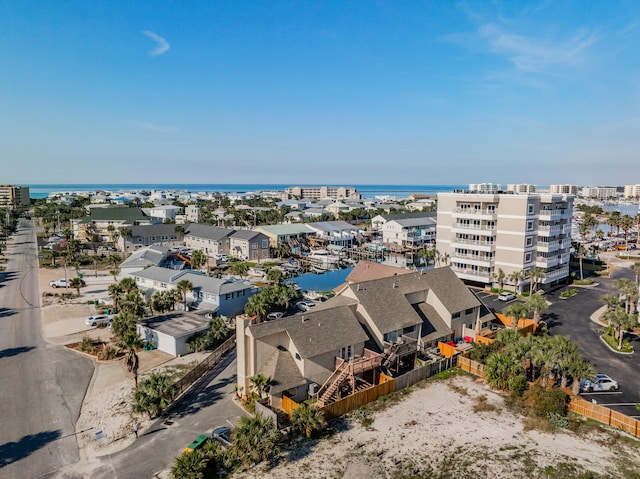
[[312, 295], [322, 259], [256, 272]]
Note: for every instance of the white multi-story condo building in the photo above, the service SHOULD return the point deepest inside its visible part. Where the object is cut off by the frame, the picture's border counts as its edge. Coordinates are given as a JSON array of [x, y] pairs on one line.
[[564, 189], [521, 188], [322, 192], [481, 234], [485, 187], [599, 192], [631, 191]]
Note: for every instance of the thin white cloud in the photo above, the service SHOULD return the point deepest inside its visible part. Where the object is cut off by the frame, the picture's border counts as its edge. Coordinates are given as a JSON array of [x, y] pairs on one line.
[[144, 125], [162, 46], [537, 55]]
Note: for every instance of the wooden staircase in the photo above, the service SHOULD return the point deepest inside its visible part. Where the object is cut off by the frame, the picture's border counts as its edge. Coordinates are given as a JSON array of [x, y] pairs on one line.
[[346, 370]]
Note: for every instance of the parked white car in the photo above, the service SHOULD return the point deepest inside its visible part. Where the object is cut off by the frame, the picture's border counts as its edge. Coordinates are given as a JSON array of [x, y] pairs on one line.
[[305, 305], [60, 283], [274, 315], [506, 296], [602, 383]]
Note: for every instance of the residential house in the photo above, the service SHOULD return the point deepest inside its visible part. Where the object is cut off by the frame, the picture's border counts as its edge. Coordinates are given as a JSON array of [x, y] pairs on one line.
[[288, 234], [155, 255], [249, 245], [145, 235], [338, 233], [211, 240], [378, 222], [98, 222], [164, 213], [368, 324], [414, 232], [226, 297], [170, 332]]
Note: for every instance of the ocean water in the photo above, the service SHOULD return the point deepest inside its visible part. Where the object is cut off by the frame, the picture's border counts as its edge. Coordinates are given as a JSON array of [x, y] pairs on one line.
[[367, 191]]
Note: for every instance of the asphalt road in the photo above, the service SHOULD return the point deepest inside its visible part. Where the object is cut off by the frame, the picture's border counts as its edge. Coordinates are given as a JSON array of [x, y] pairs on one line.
[[42, 387], [206, 406]]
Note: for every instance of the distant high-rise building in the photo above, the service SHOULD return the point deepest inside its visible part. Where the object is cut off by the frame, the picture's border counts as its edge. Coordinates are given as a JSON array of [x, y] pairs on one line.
[[521, 188], [483, 233], [599, 192], [14, 196], [563, 189], [484, 187], [321, 192], [631, 191]]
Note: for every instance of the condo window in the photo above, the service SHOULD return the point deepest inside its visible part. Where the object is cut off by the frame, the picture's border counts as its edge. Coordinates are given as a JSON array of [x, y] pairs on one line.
[[530, 208], [254, 245], [530, 241], [527, 257], [455, 315], [469, 311], [265, 243], [530, 225]]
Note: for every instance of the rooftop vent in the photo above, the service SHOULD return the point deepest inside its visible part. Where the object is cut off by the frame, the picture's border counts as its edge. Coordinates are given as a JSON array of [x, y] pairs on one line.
[[304, 320], [395, 285]]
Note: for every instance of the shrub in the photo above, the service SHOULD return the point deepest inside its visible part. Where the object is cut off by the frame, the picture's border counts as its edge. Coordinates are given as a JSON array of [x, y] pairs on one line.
[[86, 344], [542, 402], [108, 352]]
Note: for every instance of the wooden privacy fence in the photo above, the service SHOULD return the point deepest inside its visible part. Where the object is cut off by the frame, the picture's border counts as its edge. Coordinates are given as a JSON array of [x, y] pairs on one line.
[[422, 373], [214, 358], [604, 415], [470, 366], [358, 399], [288, 404]]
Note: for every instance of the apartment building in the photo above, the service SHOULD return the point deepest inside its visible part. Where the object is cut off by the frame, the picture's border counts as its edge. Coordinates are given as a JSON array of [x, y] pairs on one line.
[[599, 192], [632, 191], [521, 188], [322, 192], [480, 234], [14, 196], [485, 187], [564, 189]]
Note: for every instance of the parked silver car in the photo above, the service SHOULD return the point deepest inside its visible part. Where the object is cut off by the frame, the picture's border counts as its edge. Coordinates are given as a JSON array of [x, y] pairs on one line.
[[222, 435], [98, 319]]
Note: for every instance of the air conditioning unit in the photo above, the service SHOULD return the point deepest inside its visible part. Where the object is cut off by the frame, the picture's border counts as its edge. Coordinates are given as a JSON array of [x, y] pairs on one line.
[[313, 389]]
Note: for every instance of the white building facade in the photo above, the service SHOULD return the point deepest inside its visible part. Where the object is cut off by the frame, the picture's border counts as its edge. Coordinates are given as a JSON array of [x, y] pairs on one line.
[[481, 234]]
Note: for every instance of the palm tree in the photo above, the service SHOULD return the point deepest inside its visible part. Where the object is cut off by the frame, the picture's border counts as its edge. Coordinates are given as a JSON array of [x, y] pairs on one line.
[[255, 439], [240, 268], [191, 465], [198, 259], [500, 368], [626, 223], [308, 419], [260, 383], [499, 277], [621, 320], [183, 287], [275, 275], [579, 369], [124, 327], [611, 300], [114, 259], [218, 331], [537, 304], [515, 312], [178, 229], [77, 283], [581, 252], [535, 275], [515, 278], [635, 267], [116, 293], [114, 272], [258, 305]]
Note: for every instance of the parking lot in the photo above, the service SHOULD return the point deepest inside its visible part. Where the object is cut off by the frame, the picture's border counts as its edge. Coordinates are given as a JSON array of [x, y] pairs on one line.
[[572, 317]]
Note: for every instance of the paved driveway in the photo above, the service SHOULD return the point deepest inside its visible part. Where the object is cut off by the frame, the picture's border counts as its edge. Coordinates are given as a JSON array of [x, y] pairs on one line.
[[571, 318]]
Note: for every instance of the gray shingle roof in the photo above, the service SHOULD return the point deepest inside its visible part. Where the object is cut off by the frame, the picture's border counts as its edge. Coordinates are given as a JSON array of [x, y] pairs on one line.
[[201, 230], [151, 255], [283, 372], [115, 213], [160, 229], [199, 281], [385, 299], [246, 235], [419, 221], [321, 331]]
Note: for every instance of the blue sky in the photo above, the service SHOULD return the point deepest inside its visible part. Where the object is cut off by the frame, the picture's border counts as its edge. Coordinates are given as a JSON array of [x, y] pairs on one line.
[[340, 92]]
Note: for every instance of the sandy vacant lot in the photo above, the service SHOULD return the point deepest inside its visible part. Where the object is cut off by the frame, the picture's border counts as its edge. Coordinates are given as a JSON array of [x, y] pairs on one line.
[[435, 433]]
